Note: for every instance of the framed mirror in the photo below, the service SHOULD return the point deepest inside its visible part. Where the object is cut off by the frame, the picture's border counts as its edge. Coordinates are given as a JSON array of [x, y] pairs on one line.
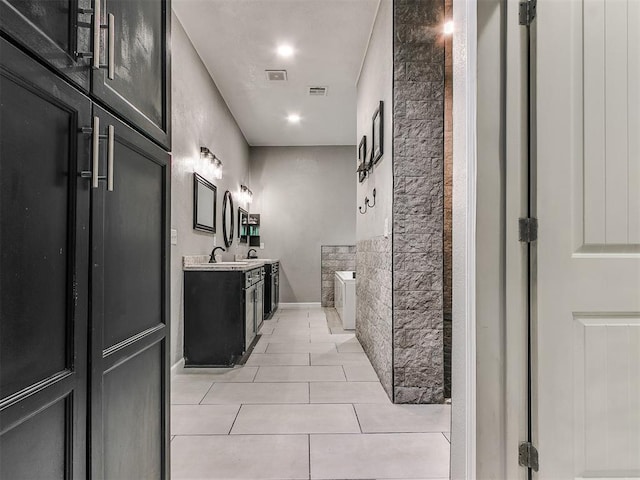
[[243, 225], [204, 204], [228, 215]]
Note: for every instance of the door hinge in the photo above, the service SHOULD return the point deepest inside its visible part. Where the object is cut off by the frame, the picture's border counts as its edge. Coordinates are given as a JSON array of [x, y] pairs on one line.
[[528, 456], [527, 229], [527, 12]]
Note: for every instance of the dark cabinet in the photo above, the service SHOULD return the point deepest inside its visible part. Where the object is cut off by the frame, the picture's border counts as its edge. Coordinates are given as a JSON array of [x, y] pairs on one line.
[[129, 259], [136, 82], [57, 31], [84, 256], [117, 50], [222, 314], [44, 265]]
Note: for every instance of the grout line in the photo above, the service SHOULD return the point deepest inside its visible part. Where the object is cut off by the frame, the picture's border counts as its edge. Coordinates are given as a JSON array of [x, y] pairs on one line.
[[309, 388], [309, 449], [207, 393], [357, 418], [234, 419]]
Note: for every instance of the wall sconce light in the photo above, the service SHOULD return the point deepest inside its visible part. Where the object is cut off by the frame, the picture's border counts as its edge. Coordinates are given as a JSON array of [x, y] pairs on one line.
[[206, 154], [246, 195]]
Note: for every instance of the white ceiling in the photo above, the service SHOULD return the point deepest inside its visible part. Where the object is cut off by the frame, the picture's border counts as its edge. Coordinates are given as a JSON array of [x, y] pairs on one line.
[[237, 40]]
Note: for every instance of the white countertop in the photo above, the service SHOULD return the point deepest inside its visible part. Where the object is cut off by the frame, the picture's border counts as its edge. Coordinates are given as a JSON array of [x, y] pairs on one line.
[[195, 263], [346, 276]]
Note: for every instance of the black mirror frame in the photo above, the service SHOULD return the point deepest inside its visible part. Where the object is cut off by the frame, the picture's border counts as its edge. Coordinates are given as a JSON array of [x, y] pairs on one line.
[[227, 203], [198, 179]]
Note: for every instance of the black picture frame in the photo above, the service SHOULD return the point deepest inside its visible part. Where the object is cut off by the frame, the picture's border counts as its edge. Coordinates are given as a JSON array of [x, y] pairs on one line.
[[243, 225], [377, 135], [204, 204], [362, 159]]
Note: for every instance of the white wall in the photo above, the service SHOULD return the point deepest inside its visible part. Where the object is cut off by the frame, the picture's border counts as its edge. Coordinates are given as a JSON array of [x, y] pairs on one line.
[[200, 117], [306, 197], [374, 84]]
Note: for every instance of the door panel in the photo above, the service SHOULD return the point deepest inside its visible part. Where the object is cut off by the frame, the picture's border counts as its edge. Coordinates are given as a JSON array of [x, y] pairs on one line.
[[587, 331], [36, 449], [44, 219], [54, 30], [129, 240], [134, 452], [140, 87]]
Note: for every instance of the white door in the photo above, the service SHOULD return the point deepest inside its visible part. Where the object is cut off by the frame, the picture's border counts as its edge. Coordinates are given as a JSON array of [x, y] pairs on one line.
[[587, 326]]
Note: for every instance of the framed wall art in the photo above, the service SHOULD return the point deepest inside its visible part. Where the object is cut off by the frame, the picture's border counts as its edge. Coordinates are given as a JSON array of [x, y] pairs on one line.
[[377, 134]]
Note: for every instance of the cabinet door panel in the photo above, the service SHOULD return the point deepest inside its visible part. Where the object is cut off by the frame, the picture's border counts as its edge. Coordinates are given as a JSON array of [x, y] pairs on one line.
[[44, 220], [129, 249], [139, 89], [55, 31]]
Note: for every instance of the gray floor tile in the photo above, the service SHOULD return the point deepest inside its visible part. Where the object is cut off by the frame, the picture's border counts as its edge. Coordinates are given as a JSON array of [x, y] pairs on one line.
[[247, 457], [264, 393], [259, 359], [301, 347], [404, 418], [347, 392], [382, 456], [189, 389], [202, 419], [339, 359], [277, 419], [360, 373], [286, 338], [301, 374], [335, 338]]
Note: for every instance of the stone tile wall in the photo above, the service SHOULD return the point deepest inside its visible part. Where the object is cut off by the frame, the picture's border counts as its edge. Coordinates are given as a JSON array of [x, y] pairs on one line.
[[334, 258], [418, 201], [374, 306]]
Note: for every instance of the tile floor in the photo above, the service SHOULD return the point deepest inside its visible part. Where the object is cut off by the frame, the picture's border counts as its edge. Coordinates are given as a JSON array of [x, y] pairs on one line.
[[307, 405]]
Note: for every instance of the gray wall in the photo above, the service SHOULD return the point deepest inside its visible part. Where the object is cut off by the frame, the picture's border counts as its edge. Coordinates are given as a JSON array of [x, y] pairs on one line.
[[373, 260], [306, 197], [200, 117]]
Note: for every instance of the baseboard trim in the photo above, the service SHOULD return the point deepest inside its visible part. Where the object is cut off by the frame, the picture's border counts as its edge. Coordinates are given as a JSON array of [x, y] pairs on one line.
[[291, 306], [179, 365]]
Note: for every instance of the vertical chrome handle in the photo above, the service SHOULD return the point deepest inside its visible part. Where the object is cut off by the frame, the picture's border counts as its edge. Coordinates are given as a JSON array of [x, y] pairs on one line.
[[96, 33], [110, 145], [95, 152], [112, 47]]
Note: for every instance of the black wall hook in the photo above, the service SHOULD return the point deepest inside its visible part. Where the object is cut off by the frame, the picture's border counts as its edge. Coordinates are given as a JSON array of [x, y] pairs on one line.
[[367, 205]]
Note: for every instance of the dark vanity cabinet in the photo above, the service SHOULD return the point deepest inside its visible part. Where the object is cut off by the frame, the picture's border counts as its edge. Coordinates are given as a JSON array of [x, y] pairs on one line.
[[223, 311], [84, 257], [271, 288], [120, 54]]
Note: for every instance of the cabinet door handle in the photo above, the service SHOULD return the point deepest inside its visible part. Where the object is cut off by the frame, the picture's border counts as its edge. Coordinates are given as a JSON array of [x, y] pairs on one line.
[[96, 33], [112, 47], [95, 150], [111, 39], [110, 146]]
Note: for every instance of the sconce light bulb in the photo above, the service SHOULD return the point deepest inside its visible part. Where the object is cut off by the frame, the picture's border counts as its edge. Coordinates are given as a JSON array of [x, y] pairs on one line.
[[448, 27]]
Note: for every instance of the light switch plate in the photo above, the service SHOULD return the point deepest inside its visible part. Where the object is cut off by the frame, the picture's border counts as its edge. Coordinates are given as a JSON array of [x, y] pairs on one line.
[[261, 245], [174, 236], [214, 241], [386, 227]]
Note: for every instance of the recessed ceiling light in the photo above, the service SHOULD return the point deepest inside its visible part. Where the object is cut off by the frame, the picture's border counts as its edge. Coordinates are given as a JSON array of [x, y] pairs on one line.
[[293, 118], [448, 28], [285, 51]]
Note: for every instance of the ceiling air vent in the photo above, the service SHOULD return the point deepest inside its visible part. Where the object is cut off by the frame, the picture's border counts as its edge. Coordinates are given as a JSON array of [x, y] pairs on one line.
[[318, 91], [276, 75]]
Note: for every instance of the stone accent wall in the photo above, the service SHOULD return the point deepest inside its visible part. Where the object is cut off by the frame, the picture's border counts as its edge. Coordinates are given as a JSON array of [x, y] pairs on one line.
[[418, 201], [334, 258], [374, 306]]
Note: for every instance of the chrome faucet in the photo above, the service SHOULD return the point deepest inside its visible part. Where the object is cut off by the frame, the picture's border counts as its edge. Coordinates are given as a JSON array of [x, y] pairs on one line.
[[212, 259], [255, 253]]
